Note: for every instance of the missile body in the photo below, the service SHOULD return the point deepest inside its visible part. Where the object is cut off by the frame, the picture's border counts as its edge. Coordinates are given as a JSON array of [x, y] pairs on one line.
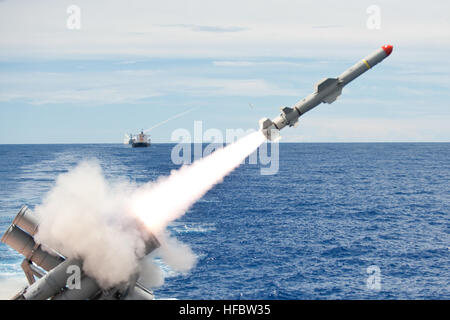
[[326, 90]]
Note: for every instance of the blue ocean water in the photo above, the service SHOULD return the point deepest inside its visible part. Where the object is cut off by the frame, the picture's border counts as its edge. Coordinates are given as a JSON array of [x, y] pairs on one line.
[[308, 232]]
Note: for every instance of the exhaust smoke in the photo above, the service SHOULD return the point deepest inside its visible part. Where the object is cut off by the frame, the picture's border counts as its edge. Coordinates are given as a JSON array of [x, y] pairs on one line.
[[170, 197], [87, 217]]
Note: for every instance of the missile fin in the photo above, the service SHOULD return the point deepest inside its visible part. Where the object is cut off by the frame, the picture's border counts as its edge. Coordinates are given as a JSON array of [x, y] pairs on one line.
[[333, 96], [326, 83]]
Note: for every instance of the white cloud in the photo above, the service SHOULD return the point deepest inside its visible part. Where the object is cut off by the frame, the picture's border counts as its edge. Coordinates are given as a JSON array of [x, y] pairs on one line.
[[124, 86], [315, 129], [245, 63], [233, 34], [198, 28], [221, 29]]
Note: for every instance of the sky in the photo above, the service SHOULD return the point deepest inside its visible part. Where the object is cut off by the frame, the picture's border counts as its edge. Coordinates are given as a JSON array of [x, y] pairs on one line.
[[133, 64]]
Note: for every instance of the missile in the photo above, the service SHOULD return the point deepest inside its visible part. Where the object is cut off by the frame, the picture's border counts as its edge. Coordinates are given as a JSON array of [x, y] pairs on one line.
[[326, 91]]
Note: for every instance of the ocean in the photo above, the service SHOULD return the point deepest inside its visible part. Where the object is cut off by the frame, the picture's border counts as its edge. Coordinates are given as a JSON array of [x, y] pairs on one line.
[[338, 220]]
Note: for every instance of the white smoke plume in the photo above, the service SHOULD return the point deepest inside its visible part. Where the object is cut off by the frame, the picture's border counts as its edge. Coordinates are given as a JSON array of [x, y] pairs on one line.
[[88, 217], [159, 204], [177, 255], [10, 286]]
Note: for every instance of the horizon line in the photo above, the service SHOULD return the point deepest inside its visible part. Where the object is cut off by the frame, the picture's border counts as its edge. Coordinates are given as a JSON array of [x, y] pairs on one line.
[[284, 142]]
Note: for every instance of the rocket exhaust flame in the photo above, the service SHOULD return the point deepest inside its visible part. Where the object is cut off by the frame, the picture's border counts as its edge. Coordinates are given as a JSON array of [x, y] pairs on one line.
[[158, 205]]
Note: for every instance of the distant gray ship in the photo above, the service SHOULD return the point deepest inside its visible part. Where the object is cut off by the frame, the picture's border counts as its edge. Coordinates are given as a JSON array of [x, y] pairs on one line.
[[140, 140]]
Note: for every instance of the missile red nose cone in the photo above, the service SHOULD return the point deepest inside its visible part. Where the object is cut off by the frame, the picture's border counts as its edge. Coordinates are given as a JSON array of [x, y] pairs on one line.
[[387, 48]]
